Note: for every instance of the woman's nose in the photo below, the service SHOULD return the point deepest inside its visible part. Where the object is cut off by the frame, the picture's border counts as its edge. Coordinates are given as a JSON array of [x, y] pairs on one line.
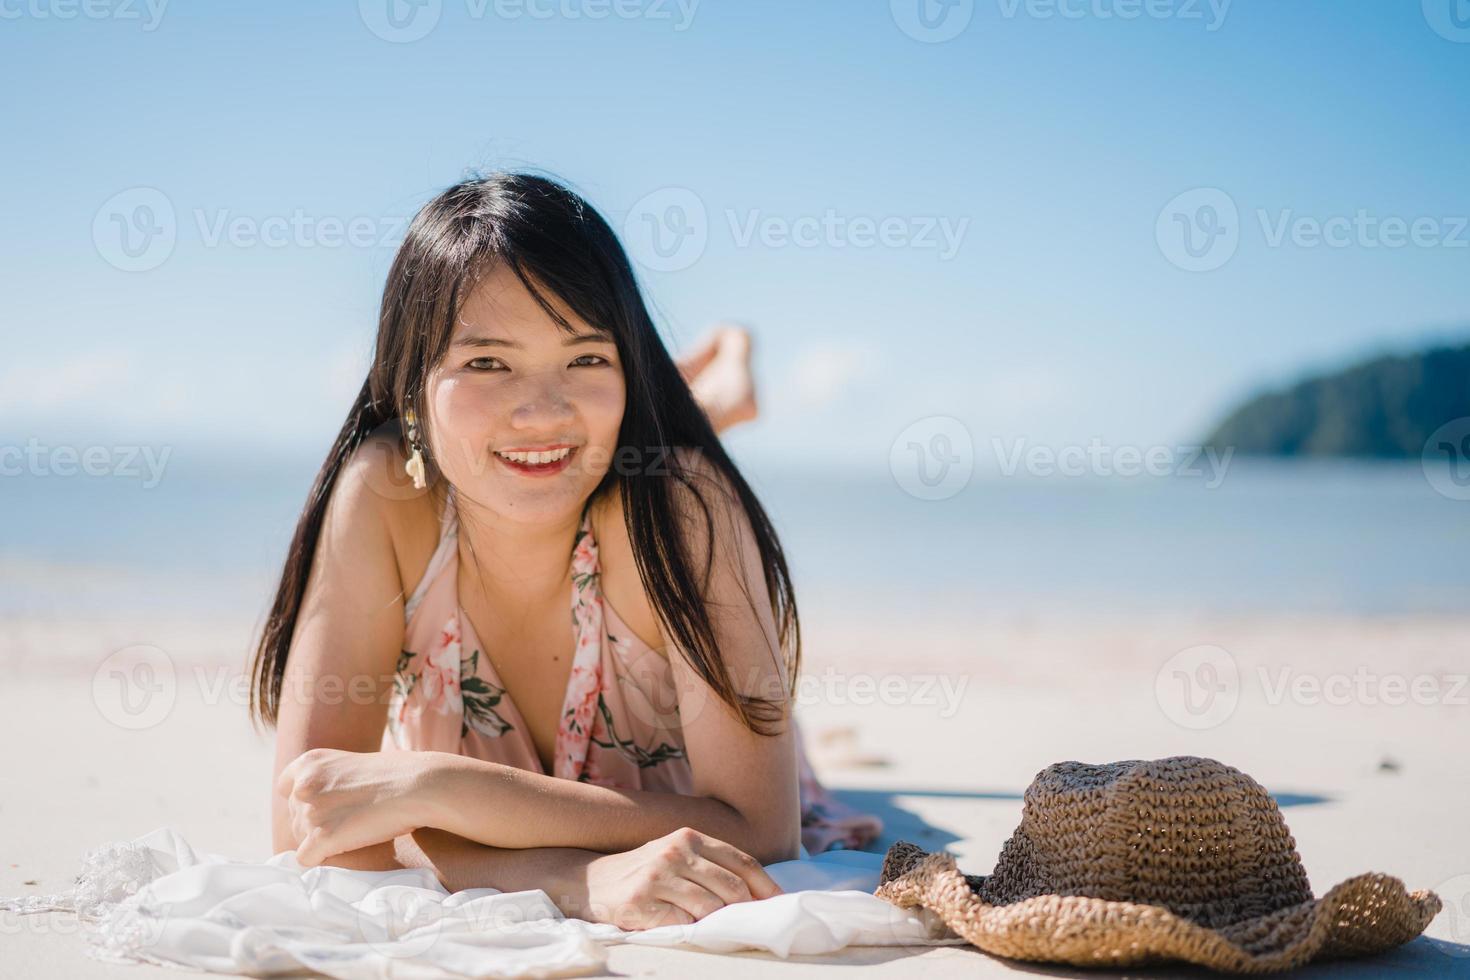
[[542, 402]]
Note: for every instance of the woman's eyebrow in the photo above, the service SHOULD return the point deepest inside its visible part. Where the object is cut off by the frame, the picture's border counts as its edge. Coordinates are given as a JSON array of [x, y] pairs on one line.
[[588, 338], [581, 338]]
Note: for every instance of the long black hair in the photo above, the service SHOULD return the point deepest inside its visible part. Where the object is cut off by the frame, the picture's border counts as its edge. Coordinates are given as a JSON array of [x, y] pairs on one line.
[[555, 241]]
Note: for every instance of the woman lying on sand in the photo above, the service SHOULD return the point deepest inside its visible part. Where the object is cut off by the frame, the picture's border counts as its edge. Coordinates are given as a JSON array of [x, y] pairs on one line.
[[524, 456]]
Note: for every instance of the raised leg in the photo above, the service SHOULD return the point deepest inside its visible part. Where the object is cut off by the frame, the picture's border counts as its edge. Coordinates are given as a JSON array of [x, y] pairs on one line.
[[719, 374]]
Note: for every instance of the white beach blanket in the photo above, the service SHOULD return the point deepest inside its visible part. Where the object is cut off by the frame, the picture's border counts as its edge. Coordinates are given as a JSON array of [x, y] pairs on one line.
[[156, 900]]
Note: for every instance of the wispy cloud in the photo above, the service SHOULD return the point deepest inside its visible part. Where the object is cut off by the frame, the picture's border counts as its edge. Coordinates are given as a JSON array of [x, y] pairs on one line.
[[258, 396], [823, 372], [90, 381]]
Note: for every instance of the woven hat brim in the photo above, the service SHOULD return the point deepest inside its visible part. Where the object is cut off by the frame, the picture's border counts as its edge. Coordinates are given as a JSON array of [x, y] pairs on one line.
[[1366, 914]]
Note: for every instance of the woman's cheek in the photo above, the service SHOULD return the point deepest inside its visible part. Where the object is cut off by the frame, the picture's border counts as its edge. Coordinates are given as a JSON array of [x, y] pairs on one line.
[[602, 403], [466, 418]]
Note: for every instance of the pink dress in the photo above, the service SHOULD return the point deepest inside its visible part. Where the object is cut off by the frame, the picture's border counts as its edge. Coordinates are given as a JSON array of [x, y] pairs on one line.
[[620, 718]]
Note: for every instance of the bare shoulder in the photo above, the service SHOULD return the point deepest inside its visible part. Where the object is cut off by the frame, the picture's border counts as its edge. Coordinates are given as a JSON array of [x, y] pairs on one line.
[[375, 489]]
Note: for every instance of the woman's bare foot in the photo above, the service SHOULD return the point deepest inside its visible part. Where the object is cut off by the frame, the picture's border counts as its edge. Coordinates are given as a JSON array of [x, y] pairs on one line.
[[720, 377]]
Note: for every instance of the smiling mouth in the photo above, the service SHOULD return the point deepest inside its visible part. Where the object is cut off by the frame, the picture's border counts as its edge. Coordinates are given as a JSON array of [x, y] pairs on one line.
[[537, 462]]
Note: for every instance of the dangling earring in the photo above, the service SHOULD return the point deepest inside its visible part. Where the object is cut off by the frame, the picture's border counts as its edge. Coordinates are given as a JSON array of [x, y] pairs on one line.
[[415, 465]]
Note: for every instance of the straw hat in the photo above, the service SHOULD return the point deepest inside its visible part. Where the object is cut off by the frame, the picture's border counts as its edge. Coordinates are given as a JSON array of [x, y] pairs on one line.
[[1139, 862]]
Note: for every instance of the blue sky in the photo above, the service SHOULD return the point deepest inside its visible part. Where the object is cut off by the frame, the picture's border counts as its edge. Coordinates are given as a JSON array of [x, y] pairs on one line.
[[1052, 140]]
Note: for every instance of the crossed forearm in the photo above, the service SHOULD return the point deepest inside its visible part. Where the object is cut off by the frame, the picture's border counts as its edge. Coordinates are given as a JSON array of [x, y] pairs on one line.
[[461, 864]]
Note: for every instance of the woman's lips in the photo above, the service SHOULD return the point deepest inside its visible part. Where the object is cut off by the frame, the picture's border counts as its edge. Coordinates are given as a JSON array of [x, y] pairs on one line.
[[538, 469]]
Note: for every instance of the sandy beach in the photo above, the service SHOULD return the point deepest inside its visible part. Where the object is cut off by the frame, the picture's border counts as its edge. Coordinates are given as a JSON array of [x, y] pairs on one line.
[[1356, 726]]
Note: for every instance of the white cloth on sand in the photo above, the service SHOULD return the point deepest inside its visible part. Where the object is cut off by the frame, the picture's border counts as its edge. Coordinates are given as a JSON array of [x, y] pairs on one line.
[[156, 900]]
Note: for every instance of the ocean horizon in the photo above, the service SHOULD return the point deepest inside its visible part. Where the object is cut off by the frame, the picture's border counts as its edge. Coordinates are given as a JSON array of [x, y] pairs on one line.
[[1273, 536]]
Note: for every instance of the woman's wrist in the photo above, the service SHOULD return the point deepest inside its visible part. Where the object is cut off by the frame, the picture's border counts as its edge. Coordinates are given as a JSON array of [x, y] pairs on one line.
[[445, 786], [458, 863], [432, 791], [564, 878]]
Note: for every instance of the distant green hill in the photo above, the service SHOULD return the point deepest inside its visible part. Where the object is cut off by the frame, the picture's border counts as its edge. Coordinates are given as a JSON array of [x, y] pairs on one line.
[[1386, 407]]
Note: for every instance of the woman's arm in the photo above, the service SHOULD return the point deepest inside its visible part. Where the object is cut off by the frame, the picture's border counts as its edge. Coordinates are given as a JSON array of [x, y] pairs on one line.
[[745, 790], [348, 635], [345, 802], [534, 810], [461, 864], [754, 774], [336, 680]]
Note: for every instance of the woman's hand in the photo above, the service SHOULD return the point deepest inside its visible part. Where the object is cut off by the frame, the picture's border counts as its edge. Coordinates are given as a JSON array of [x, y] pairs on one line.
[[340, 801], [674, 880]]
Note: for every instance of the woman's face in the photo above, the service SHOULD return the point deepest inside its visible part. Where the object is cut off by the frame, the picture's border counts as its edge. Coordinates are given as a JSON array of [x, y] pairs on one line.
[[524, 416]]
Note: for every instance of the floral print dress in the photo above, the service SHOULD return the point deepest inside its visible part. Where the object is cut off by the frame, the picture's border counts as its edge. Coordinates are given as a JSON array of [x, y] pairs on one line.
[[619, 723]]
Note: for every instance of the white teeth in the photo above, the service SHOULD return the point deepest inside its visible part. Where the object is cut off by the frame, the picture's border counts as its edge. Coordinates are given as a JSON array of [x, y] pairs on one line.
[[536, 459]]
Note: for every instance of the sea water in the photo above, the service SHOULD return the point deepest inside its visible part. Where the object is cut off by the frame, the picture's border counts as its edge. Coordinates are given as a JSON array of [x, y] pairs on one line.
[[1272, 536]]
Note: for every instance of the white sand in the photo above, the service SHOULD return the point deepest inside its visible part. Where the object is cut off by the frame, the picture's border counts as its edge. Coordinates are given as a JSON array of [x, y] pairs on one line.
[[1364, 786]]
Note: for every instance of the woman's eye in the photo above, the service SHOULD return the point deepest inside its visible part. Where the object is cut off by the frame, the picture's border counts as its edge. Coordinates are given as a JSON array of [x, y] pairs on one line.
[[496, 364]]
